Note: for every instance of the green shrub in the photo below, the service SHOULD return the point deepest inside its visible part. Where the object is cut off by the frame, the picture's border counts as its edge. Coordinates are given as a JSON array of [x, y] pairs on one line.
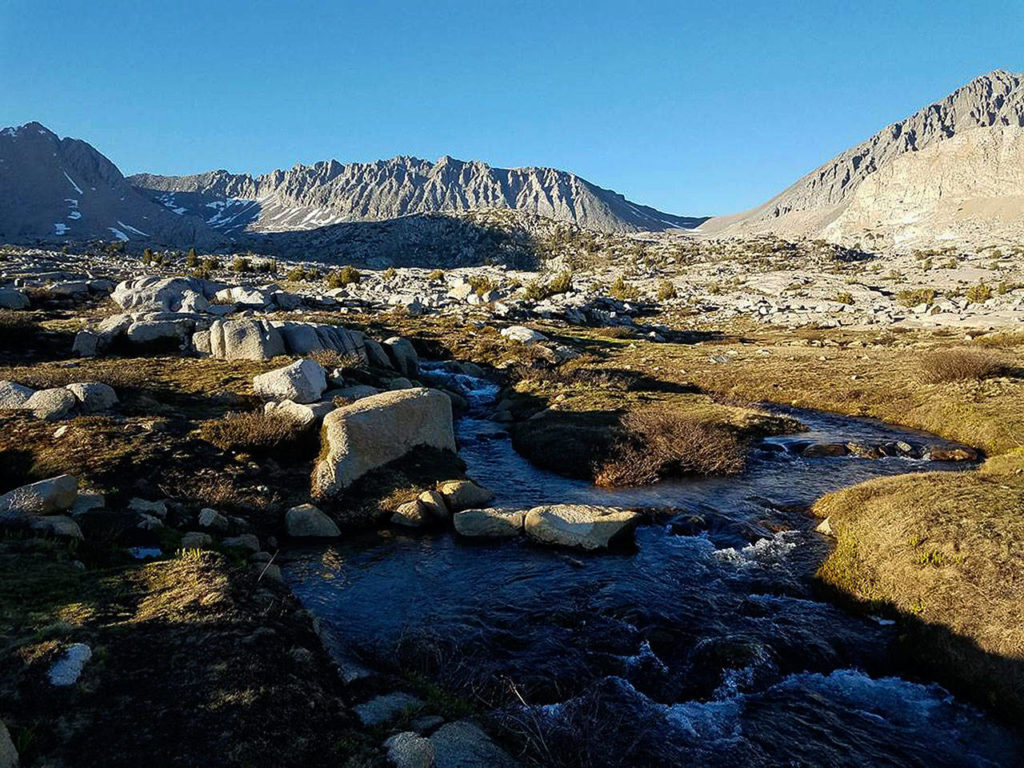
[[436, 276], [347, 275], [241, 264], [481, 284], [622, 290], [666, 291], [844, 297], [978, 294], [912, 298], [191, 260]]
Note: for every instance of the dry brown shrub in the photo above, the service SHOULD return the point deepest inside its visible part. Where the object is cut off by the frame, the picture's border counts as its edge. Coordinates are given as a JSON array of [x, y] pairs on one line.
[[660, 442], [251, 431], [330, 359], [959, 365]]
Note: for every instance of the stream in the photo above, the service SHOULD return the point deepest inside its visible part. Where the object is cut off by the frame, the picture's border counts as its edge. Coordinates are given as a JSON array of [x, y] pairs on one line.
[[701, 645]]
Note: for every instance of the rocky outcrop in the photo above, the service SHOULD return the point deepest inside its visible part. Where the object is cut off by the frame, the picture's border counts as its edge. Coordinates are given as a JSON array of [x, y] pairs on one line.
[[377, 430], [12, 298], [14, 395], [240, 340], [579, 525]]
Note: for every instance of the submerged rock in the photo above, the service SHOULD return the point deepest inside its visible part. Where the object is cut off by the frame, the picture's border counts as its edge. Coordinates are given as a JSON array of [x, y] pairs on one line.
[[377, 430], [579, 525]]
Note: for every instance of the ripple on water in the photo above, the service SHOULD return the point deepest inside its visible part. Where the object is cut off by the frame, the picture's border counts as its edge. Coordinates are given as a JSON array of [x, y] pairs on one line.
[[707, 649]]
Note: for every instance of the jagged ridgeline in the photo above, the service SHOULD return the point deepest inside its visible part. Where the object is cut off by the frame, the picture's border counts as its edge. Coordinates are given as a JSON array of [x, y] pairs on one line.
[[55, 190], [952, 172]]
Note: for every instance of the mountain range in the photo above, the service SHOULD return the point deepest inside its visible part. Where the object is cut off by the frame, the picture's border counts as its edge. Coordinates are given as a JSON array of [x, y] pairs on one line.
[[58, 190], [952, 172]]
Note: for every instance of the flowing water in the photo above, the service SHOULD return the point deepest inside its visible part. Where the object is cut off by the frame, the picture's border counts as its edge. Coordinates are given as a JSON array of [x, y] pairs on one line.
[[702, 645]]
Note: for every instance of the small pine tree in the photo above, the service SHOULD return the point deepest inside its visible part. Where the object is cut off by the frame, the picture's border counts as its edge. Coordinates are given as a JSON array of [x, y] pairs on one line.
[[147, 257], [191, 260]]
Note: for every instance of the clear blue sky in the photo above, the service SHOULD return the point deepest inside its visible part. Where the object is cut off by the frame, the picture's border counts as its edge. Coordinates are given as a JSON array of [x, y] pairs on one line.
[[690, 107]]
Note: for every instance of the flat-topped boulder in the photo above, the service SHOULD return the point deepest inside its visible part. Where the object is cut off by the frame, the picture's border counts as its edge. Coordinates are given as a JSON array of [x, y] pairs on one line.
[[377, 430], [580, 526], [489, 523], [302, 382]]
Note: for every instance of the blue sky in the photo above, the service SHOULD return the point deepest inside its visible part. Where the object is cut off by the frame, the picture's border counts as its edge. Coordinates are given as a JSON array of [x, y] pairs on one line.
[[689, 107]]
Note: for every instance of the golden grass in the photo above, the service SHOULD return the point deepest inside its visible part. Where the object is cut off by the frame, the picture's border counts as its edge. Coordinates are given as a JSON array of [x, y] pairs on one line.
[[959, 364], [943, 552], [251, 431]]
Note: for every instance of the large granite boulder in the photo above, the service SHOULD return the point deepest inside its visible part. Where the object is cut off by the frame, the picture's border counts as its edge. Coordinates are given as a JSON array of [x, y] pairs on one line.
[[403, 356], [304, 338], [14, 395], [56, 494], [240, 340], [580, 525], [376, 430], [51, 404], [93, 396], [302, 382], [12, 298]]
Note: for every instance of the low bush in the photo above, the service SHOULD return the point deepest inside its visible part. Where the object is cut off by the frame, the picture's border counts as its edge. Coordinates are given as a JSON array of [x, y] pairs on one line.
[[622, 290], [978, 294], [250, 431], [345, 276], [666, 290], [913, 298], [959, 365], [660, 442]]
